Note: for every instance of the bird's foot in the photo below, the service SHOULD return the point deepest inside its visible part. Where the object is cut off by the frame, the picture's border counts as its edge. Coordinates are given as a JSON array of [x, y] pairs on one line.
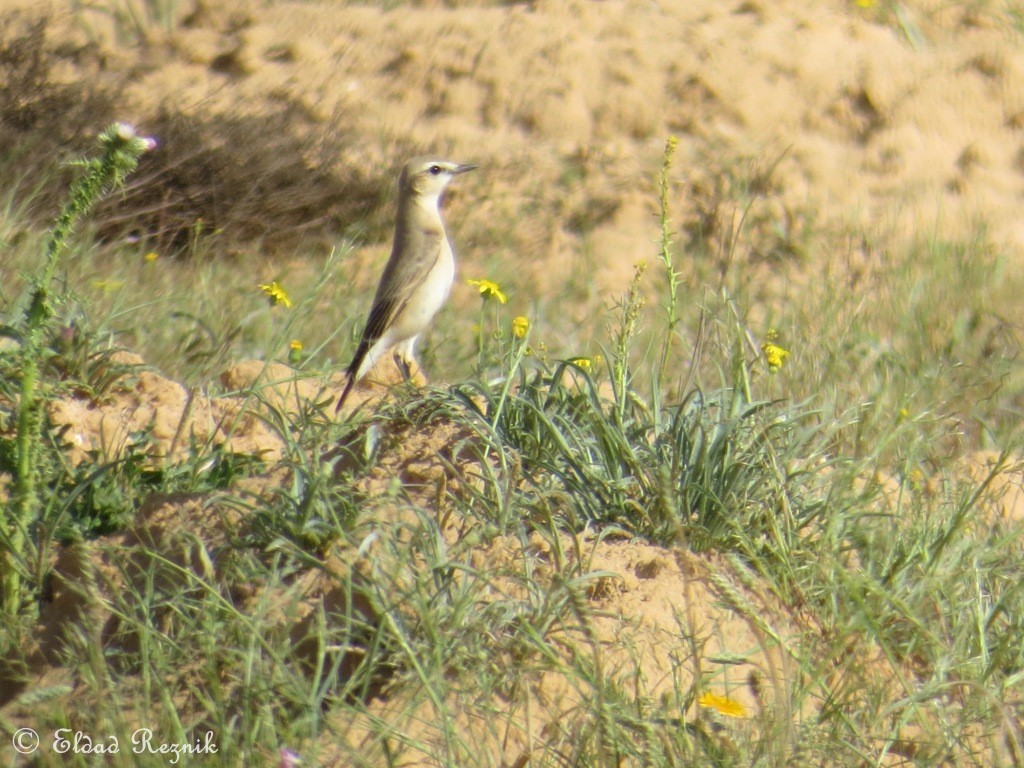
[[405, 367]]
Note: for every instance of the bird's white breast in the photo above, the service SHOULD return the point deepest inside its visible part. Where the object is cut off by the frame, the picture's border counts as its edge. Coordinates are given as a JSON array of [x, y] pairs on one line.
[[429, 296]]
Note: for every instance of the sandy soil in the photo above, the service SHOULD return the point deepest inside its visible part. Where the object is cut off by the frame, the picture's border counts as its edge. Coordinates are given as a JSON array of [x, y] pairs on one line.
[[910, 125]]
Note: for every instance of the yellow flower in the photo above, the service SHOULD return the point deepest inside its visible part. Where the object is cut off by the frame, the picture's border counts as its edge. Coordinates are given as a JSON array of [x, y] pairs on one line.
[[151, 256], [723, 705], [489, 289], [294, 351], [582, 362], [276, 294], [520, 325], [774, 355], [866, 3], [295, 345], [670, 149]]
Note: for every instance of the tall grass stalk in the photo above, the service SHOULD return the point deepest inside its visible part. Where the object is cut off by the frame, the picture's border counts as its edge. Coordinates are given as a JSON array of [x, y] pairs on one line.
[[665, 254], [631, 309], [120, 149]]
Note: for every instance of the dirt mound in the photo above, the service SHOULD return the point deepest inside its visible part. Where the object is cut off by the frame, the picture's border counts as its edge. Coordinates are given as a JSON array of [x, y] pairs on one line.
[[168, 421], [295, 115], [632, 606], [655, 620]]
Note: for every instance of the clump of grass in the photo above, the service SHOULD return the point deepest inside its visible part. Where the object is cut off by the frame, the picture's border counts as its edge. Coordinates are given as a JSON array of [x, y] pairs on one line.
[[704, 470], [311, 509]]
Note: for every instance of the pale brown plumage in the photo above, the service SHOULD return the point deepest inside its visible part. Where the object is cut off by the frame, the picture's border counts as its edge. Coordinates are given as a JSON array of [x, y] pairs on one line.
[[418, 274]]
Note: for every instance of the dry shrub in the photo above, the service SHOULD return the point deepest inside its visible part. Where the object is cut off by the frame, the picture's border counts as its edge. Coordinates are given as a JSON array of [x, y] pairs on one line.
[[252, 180], [260, 179], [43, 121]]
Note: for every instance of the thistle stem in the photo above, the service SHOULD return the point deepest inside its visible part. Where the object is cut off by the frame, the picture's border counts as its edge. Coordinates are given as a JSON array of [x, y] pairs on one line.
[[120, 149]]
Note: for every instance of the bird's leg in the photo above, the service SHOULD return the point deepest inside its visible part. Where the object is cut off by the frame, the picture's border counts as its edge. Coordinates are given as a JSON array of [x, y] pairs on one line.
[[403, 366]]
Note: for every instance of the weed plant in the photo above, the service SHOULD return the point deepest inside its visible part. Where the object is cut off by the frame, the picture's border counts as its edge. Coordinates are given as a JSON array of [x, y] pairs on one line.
[[120, 149]]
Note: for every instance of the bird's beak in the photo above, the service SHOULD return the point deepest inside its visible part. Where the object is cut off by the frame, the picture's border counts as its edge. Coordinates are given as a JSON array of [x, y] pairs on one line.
[[463, 168]]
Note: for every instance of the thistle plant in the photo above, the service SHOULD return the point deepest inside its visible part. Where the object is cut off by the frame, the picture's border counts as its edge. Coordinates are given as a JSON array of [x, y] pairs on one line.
[[120, 149]]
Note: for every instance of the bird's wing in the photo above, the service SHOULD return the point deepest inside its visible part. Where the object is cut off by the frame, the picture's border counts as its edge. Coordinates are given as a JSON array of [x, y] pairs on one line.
[[406, 270], [402, 276]]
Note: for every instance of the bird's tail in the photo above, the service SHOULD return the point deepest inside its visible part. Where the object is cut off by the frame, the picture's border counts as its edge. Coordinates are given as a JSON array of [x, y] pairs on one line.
[[344, 394], [356, 369]]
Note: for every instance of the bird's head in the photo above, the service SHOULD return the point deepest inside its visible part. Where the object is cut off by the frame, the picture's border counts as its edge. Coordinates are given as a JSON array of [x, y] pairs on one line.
[[427, 177]]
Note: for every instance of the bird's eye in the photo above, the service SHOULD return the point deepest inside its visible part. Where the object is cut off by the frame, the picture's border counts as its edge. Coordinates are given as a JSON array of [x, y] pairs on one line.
[[434, 170]]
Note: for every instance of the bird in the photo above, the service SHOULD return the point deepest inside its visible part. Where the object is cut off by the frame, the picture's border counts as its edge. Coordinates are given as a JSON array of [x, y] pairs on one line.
[[418, 275]]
